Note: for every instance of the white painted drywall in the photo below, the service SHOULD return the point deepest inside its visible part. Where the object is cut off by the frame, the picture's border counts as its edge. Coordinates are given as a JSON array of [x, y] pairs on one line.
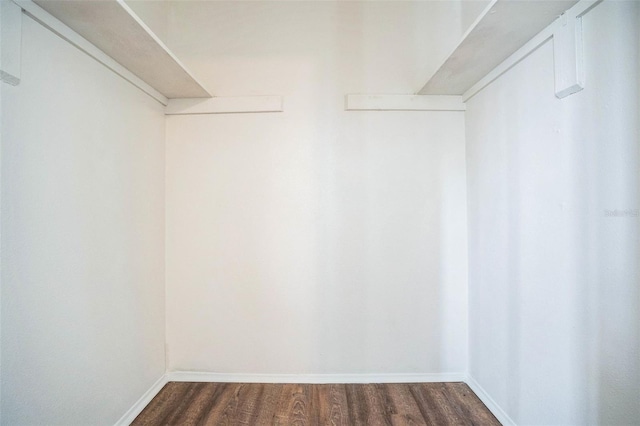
[[82, 239], [315, 240], [10, 35], [1, 92], [553, 280]]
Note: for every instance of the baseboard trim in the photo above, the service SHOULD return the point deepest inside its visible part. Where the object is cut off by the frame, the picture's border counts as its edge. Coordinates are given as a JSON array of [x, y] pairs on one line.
[[137, 408], [497, 411], [200, 376]]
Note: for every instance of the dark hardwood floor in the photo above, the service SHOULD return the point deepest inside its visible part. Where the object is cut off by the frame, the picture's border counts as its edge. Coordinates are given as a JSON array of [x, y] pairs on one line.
[[182, 403]]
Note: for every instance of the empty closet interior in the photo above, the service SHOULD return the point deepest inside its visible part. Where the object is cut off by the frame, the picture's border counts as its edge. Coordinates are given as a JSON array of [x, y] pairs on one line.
[[320, 192]]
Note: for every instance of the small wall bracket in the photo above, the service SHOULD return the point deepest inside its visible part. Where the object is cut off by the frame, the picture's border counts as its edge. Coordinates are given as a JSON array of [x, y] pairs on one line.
[[10, 42], [568, 55]]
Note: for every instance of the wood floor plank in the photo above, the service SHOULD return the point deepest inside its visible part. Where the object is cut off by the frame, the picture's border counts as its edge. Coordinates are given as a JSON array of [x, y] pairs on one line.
[[451, 411], [224, 411], [250, 401], [163, 404], [332, 405], [469, 405], [367, 405], [433, 405], [405, 407], [206, 395], [176, 415], [357, 405], [438, 404], [378, 407], [203, 411], [269, 402], [293, 406]]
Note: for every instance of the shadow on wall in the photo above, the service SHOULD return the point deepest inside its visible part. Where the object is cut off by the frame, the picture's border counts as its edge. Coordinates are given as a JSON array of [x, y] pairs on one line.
[[553, 204], [610, 301]]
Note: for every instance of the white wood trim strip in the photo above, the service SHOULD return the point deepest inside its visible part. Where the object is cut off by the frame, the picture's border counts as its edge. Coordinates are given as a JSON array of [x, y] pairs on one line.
[[162, 45], [140, 404], [501, 30], [11, 41], [404, 103], [497, 411], [196, 376], [224, 105], [471, 28], [530, 47], [117, 31], [62, 30], [577, 11]]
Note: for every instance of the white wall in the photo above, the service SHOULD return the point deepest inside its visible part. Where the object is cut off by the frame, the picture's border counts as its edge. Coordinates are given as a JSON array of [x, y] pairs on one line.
[[1, 84], [315, 240], [553, 282], [82, 239], [319, 240]]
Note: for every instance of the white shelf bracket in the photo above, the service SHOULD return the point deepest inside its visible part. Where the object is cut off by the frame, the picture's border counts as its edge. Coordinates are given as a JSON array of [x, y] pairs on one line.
[[10, 42], [224, 105], [568, 56]]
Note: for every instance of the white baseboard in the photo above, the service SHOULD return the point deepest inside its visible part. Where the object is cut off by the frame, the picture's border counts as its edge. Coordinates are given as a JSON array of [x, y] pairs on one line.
[[198, 376], [497, 411], [137, 408]]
